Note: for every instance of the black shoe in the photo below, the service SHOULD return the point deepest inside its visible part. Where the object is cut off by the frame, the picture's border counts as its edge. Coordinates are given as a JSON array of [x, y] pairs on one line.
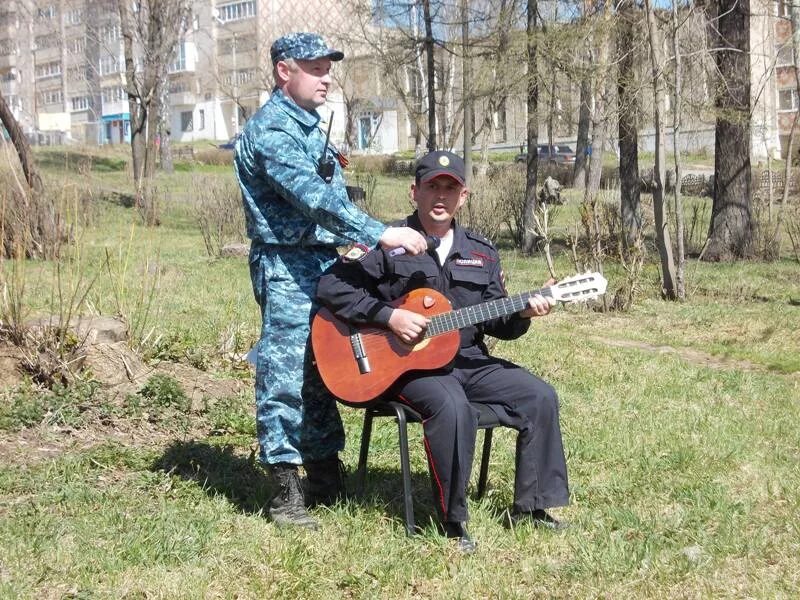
[[325, 482], [288, 506], [458, 531], [538, 518]]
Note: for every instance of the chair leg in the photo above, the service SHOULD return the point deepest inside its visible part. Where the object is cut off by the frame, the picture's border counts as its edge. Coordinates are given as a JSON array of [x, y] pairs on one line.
[[487, 450], [405, 467], [366, 434]]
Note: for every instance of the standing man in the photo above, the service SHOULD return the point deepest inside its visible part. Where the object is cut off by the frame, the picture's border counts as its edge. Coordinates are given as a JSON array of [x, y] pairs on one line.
[[465, 267], [298, 213]]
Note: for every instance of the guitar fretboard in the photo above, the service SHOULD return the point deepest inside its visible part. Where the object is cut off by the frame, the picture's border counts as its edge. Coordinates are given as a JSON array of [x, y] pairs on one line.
[[478, 313]]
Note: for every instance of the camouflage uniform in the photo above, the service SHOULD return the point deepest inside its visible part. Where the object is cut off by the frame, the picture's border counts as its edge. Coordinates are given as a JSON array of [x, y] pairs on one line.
[[295, 221]]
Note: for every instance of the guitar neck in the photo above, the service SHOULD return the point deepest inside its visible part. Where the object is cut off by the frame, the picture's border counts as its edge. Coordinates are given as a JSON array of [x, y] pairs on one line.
[[478, 313]]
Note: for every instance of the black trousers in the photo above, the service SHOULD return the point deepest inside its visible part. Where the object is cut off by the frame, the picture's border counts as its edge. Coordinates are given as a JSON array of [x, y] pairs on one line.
[[521, 401]]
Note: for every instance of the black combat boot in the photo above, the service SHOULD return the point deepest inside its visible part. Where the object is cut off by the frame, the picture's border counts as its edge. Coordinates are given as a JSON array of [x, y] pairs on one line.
[[287, 507], [325, 483]]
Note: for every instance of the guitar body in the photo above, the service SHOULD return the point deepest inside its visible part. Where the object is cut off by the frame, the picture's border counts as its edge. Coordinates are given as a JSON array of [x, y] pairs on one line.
[[386, 357]]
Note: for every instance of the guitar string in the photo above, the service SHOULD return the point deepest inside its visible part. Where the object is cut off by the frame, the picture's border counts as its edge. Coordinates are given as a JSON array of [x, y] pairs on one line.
[[455, 320]]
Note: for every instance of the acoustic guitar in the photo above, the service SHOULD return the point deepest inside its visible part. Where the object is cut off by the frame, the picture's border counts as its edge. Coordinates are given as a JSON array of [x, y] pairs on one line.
[[359, 363]]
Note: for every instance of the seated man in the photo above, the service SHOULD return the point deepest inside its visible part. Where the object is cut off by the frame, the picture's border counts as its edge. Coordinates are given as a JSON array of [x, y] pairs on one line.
[[465, 267]]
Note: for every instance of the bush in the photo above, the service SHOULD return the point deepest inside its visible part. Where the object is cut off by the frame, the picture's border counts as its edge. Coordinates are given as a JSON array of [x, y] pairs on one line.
[[496, 201], [371, 163], [219, 213], [165, 392], [214, 156]]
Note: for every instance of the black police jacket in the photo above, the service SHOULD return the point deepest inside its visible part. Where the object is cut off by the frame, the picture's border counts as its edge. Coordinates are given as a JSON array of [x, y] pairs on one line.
[[359, 290]]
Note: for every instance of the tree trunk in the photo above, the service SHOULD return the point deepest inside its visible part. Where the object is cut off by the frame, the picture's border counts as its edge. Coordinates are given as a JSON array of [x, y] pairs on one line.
[[663, 242], [21, 145], [164, 141], [730, 233], [529, 211], [584, 124], [628, 124], [680, 280], [466, 82], [795, 16], [431, 74]]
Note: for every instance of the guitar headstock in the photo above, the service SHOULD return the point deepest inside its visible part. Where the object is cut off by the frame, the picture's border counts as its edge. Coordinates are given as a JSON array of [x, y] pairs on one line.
[[585, 286]]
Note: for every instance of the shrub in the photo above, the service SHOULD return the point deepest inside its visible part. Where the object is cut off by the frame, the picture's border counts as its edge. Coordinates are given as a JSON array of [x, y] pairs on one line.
[[214, 156], [219, 214], [165, 392]]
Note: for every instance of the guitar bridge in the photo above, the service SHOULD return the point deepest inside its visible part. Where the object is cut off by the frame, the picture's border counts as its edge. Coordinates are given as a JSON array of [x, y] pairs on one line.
[[357, 343]]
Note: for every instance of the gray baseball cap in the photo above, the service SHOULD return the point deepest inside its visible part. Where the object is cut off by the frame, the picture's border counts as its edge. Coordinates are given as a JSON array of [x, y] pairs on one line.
[[302, 46]]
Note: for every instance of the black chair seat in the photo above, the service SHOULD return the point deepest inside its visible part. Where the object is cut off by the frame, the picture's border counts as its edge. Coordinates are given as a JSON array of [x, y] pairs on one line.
[[403, 414]]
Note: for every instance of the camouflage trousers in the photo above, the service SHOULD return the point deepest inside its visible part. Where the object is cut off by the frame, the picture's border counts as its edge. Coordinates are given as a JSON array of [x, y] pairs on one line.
[[296, 416]]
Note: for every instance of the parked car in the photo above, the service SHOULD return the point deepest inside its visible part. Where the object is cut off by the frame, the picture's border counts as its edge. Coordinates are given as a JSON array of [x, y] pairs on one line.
[[559, 154], [230, 144]]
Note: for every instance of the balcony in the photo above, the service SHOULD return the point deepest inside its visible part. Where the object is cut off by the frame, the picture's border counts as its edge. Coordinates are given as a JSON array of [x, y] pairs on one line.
[[9, 60], [184, 98]]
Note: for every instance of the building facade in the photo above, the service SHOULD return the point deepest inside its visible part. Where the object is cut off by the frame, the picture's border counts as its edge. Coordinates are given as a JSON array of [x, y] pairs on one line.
[[62, 73]]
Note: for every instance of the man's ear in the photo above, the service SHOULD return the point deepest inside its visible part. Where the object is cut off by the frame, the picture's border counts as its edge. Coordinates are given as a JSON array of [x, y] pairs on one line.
[[281, 72], [414, 194], [462, 197]]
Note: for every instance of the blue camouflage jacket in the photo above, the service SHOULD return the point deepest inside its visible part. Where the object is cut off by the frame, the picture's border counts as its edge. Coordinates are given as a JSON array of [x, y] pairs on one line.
[[285, 201]]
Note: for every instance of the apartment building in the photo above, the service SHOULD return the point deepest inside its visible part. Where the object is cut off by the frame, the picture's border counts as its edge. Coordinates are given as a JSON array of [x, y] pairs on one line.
[[62, 73]]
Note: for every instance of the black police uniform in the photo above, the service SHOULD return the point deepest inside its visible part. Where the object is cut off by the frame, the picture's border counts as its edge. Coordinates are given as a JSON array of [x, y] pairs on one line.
[[358, 292]]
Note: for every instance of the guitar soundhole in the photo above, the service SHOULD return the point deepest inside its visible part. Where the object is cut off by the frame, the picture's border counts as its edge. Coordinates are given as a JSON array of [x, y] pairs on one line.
[[403, 349]]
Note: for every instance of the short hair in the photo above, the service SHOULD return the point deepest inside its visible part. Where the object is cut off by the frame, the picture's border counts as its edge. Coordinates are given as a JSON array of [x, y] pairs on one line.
[[290, 62]]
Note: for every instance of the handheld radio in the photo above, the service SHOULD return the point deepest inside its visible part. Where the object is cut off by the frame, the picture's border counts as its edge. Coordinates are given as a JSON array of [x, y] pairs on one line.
[[327, 165]]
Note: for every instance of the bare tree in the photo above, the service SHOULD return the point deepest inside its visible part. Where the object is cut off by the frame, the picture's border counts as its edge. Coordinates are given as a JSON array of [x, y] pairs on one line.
[[677, 113], [21, 145], [529, 210], [731, 230], [150, 29], [663, 242], [628, 122]]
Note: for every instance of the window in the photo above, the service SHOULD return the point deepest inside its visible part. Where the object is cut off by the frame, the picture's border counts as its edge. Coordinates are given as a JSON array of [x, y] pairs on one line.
[[48, 12], [186, 120], [8, 47], [236, 11], [109, 64], [49, 69], [110, 33], [179, 64], [787, 99], [785, 54], [74, 17], [45, 41], [80, 103], [114, 94], [14, 101], [76, 74], [176, 87], [238, 77], [202, 119], [9, 19], [239, 43], [50, 97], [76, 46]]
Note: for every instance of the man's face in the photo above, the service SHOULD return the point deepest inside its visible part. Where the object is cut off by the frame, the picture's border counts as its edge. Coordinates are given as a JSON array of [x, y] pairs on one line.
[[307, 82], [438, 199]]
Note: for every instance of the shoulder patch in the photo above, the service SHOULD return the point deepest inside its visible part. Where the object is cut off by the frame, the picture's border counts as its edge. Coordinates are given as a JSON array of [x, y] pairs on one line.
[[478, 238]]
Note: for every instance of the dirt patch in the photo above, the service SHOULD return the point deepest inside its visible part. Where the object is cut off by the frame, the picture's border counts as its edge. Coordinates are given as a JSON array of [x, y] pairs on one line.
[[10, 359], [695, 357], [122, 372]]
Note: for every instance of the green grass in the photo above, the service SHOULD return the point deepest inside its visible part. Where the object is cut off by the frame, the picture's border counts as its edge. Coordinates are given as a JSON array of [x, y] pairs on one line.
[[684, 465]]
